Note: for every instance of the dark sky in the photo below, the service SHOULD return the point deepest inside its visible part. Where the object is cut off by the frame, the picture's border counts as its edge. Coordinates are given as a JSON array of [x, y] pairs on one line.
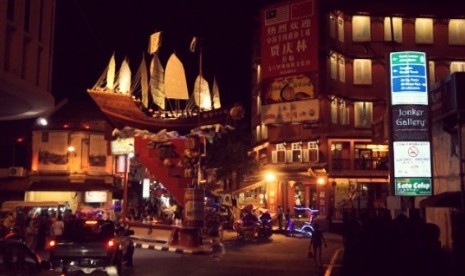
[[87, 32]]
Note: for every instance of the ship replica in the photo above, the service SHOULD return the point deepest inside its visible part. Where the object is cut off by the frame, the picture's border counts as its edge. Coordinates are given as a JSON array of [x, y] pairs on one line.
[[157, 97]]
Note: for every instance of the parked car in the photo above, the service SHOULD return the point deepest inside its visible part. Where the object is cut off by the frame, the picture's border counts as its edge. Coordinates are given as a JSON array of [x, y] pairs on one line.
[[89, 245], [18, 259]]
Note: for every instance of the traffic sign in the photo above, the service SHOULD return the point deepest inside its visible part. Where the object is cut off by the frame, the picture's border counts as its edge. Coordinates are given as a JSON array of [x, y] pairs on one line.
[[408, 78]]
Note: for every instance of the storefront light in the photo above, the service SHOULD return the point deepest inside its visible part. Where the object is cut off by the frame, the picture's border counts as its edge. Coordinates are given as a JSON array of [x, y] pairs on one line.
[[270, 176], [321, 181]]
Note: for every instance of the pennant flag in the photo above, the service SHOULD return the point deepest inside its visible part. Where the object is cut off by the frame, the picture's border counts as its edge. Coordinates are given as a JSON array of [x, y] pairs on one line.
[[193, 46]]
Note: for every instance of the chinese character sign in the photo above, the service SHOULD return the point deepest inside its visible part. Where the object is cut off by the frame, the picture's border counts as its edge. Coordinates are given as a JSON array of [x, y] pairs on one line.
[[289, 39]]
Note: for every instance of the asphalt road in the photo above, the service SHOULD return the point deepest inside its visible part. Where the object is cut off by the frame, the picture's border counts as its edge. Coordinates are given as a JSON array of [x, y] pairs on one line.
[[281, 255]]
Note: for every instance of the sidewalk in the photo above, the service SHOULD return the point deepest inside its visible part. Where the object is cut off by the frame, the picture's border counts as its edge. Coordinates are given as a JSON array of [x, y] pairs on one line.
[[161, 245]]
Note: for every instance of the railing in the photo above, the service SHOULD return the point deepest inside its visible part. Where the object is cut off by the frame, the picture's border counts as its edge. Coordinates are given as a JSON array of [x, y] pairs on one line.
[[339, 164]]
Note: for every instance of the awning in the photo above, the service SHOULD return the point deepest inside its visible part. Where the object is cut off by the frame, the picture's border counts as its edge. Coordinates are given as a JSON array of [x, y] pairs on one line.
[[249, 187], [446, 199], [88, 185]]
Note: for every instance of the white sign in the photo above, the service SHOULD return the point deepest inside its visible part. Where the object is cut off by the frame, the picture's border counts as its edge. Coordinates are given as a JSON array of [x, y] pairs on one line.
[[95, 197], [412, 159], [291, 112]]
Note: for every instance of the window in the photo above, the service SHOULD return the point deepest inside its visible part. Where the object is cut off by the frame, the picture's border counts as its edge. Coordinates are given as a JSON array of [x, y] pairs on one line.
[[457, 32], [424, 30], [457, 66], [362, 71], [342, 69], [44, 137], [279, 155], [311, 153], [334, 111], [296, 152], [259, 73], [394, 29], [259, 105], [339, 112], [432, 72], [337, 67], [340, 29], [363, 114], [343, 113], [361, 30], [333, 66], [261, 132], [332, 25]]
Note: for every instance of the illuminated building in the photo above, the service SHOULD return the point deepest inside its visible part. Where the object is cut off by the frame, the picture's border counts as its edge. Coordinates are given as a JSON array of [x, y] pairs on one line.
[[319, 95]]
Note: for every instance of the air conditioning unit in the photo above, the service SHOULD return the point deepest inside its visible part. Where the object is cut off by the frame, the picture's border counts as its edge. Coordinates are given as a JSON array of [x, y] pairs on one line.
[[17, 172]]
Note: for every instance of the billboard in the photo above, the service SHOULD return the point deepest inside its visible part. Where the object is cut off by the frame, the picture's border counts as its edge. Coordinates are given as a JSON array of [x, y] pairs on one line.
[[289, 39], [410, 124]]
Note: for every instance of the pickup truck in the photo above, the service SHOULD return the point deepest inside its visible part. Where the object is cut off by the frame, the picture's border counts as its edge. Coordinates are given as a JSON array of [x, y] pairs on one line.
[[87, 245]]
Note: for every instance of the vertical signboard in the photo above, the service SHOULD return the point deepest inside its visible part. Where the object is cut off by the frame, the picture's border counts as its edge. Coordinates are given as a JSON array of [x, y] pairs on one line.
[[289, 39], [410, 127]]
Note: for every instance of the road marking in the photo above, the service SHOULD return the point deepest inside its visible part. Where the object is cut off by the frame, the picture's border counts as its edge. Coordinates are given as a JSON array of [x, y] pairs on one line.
[[332, 263]]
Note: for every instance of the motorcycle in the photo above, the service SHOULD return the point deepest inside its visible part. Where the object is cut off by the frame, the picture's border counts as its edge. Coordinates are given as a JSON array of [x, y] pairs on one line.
[[265, 230], [125, 243], [247, 230], [306, 230]]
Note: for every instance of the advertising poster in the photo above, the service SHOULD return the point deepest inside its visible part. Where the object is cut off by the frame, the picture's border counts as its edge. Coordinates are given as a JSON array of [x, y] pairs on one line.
[[53, 156], [289, 39]]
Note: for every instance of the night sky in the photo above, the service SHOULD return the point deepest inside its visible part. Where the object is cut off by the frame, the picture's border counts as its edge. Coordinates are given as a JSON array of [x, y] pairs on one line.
[[87, 32]]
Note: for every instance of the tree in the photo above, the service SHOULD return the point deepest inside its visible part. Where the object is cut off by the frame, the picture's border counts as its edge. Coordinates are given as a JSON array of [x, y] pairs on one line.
[[228, 154]]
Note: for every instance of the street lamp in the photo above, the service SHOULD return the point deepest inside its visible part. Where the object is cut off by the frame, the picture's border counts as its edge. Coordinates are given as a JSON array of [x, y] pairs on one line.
[[125, 185]]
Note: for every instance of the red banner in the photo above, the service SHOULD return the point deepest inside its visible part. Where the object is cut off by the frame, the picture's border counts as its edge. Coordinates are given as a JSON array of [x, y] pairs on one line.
[[289, 39]]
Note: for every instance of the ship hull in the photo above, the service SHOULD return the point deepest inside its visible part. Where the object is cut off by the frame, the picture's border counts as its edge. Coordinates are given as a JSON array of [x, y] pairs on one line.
[[123, 111]]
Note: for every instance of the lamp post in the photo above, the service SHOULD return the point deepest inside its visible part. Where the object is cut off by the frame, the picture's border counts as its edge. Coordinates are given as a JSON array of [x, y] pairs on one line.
[[124, 211]]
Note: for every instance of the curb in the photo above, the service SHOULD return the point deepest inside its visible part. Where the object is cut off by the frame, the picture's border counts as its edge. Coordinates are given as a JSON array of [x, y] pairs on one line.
[[206, 249]]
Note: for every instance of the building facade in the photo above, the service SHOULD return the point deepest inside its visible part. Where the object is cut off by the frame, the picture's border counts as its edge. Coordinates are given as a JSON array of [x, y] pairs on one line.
[[26, 56], [319, 96]]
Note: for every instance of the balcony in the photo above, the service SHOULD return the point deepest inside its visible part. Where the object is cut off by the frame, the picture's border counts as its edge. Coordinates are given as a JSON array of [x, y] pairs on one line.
[[359, 164]]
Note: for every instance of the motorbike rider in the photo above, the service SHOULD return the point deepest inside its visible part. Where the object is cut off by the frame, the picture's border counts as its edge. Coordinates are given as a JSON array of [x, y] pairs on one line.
[[121, 231], [249, 218], [265, 217]]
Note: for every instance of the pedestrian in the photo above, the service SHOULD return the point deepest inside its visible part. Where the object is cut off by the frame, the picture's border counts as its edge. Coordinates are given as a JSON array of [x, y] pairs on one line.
[[316, 243], [31, 233], [287, 216], [280, 218], [57, 228]]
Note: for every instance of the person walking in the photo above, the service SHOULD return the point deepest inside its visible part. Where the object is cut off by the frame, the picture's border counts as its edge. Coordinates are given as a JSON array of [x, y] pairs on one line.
[[31, 233], [316, 244], [280, 218], [57, 228], [287, 216]]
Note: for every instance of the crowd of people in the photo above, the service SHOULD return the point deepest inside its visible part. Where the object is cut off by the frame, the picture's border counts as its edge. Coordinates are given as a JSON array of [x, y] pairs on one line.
[[376, 244], [35, 228]]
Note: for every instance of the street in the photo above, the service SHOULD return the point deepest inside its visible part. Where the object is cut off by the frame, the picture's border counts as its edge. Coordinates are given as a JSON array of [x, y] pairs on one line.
[[281, 255]]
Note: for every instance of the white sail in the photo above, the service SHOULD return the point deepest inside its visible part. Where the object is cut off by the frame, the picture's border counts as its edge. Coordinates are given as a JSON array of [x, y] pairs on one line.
[[144, 83], [216, 95], [155, 42], [157, 80], [110, 85], [202, 94], [175, 79], [124, 78]]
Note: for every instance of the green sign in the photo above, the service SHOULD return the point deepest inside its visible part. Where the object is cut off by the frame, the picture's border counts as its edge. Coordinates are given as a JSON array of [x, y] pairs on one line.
[[413, 186]]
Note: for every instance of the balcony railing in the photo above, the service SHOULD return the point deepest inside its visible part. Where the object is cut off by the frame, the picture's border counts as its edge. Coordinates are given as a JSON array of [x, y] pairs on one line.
[[379, 164]]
